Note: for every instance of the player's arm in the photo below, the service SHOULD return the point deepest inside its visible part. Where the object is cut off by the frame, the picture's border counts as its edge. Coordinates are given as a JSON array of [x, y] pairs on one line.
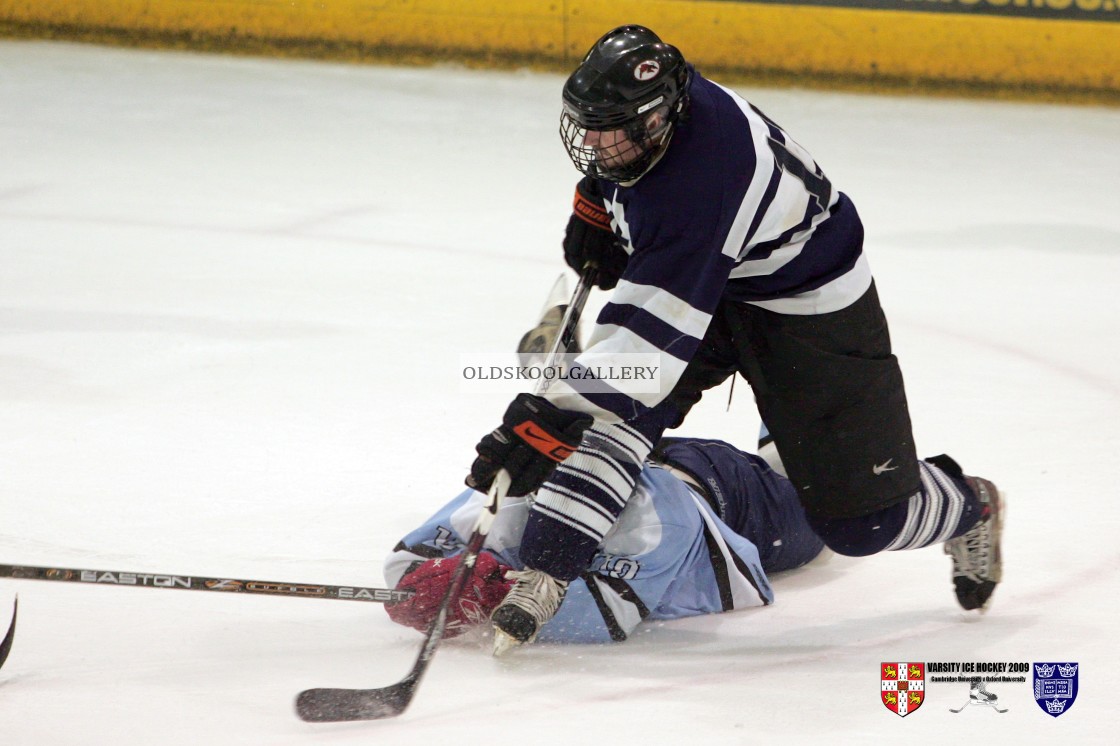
[[440, 536], [630, 578], [660, 309], [425, 561], [696, 565]]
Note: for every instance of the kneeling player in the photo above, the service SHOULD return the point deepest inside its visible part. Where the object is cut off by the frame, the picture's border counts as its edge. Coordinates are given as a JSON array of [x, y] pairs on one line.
[[705, 525]]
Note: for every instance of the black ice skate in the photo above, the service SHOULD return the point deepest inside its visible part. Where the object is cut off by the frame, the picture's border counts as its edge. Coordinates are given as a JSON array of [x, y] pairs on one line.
[[977, 564]]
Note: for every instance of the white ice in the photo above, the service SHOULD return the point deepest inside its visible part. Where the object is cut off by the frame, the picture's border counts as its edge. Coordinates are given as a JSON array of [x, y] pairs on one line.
[[233, 293]]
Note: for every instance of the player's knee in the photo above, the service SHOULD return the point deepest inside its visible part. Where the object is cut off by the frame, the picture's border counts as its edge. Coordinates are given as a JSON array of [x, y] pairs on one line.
[[860, 536]]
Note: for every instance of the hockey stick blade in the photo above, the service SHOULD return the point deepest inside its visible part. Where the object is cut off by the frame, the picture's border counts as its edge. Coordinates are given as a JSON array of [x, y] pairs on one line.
[[343, 705], [332, 705], [340, 705], [6, 645]]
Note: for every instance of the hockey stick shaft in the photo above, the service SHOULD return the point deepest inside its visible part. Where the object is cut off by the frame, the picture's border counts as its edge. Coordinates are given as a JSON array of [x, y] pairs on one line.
[[334, 705], [199, 583], [571, 318], [6, 643]]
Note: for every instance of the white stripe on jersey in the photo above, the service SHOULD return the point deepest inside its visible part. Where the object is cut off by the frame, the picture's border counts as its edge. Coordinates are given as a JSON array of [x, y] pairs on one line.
[[832, 296], [609, 340], [662, 304], [743, 592], [617, 340], [760, 180], [790, 201], [614, 484], [785, 210], [767, 265]]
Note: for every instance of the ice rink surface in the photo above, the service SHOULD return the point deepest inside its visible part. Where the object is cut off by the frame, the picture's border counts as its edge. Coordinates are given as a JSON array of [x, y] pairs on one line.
[[233, 293]]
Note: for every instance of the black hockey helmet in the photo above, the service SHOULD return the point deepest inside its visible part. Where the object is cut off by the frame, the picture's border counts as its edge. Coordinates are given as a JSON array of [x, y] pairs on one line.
[[632, 83]]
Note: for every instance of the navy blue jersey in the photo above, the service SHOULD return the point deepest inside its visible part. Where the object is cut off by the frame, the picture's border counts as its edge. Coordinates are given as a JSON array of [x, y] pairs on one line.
[[735, 209], [749, 496]]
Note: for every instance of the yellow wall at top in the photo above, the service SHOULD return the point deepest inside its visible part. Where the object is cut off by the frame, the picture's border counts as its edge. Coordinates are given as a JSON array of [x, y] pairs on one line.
[[748, 37], [520, 26], [806, 39]]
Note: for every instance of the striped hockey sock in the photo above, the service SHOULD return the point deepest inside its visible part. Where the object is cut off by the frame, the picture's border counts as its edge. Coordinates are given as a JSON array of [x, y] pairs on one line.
[[580, 503], [943, 509]]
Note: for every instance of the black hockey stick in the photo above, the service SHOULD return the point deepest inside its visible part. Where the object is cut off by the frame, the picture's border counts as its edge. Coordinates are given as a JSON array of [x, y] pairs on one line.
[[6, 644], [334, 705], [197, 583]]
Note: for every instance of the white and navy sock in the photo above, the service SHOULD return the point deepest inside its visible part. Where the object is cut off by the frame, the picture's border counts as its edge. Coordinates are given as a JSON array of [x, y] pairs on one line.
[[582, 500], [944, 508]]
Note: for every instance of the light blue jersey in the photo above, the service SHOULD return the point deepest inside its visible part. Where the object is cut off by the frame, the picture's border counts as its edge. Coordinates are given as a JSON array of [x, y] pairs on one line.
[[669, 555]]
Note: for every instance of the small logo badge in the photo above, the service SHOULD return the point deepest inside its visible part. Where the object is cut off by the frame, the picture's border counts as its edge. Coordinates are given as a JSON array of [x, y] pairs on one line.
[[903, 686], [647, 70], [885, 466], [542, 441], [1055, 686], [224, 585]]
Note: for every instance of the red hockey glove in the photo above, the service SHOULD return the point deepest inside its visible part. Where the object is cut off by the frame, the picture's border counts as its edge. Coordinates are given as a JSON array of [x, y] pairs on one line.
[[590, 238], [483, 592], [533, 438]]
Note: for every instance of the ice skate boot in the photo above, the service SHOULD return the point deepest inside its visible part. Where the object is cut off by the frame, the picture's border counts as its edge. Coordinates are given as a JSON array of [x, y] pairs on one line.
[[977, 564], [534, 600], [980, 694]]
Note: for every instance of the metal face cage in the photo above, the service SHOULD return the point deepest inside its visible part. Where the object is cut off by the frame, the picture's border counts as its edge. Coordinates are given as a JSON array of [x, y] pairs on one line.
[[619, 154]]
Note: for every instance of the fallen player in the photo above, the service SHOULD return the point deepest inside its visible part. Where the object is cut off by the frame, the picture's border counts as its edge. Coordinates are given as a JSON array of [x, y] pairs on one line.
[[704, 527]]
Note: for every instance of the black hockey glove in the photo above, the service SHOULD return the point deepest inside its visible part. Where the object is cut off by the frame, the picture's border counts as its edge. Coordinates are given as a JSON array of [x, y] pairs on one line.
[[589, 237], [533, 438]]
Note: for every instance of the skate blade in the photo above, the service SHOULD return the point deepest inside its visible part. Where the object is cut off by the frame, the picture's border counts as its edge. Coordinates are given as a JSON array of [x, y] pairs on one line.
[[504, 643]]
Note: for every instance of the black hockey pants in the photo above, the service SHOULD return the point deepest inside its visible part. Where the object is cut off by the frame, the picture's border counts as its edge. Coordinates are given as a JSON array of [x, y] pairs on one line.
[[831, 394]]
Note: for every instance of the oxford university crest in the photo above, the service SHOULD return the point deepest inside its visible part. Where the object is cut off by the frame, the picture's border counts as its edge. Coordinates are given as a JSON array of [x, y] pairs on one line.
[[1055, 686]]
